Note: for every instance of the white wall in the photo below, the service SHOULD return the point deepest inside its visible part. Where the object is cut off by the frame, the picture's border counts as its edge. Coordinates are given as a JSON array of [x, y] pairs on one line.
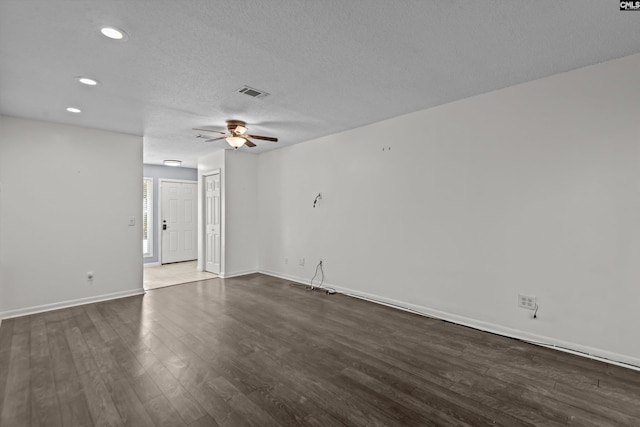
[[239, 171], [532, 189], [241, 219], [67, 196]]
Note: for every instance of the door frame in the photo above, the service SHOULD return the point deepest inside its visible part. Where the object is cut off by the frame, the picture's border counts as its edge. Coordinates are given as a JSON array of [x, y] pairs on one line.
[[159, 221], [202, 255]]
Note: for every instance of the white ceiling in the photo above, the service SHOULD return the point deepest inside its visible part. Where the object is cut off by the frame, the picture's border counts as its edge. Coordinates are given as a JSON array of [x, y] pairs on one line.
[[329, 65]]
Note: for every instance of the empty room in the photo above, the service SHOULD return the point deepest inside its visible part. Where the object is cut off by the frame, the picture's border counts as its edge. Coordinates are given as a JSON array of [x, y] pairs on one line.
[[319, 213]]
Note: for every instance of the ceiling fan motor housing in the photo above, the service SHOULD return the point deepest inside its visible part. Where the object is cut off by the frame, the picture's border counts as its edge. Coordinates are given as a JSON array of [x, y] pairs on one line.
[[233, 124]]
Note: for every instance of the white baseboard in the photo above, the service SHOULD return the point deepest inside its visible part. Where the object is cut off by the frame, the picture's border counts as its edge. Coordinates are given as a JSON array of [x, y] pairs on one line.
[[151, 264], [282, 276], [65, 304], [236, 274], [541, 340]]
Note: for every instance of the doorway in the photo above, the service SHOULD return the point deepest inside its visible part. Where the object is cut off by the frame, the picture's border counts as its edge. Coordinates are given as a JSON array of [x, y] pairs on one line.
[[212, 223]]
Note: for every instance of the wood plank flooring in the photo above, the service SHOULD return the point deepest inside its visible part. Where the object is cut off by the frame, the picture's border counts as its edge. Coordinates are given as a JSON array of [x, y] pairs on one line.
[[256, 351]]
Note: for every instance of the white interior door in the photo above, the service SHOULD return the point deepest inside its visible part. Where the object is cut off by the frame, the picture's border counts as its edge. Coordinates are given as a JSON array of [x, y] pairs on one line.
[[212, 223], [179, 221]]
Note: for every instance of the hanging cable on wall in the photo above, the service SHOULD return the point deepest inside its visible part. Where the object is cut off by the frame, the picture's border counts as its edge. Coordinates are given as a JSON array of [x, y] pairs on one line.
[[318, 197], [320, 268]]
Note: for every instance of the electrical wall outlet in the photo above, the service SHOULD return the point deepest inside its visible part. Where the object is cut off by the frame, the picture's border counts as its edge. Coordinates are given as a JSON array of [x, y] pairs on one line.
[[527, 301], [301, 262], [286, 260]]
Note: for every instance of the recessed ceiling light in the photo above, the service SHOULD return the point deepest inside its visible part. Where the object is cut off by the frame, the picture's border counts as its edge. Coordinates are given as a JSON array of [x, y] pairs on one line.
[[74, 110], [173, 162], [114, 33], [87, 81]]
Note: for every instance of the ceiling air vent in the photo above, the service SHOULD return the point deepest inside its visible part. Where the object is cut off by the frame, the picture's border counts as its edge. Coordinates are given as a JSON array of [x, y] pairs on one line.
[[252, 92]]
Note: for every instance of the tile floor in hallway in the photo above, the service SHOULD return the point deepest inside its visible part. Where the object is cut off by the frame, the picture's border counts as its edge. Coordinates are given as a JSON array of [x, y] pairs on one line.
[[173, 274]]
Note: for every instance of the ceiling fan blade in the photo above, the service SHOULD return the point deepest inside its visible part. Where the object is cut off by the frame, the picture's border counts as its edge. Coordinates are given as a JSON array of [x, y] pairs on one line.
[[209, 130], [249, 143], [266, 138], [213, 139]]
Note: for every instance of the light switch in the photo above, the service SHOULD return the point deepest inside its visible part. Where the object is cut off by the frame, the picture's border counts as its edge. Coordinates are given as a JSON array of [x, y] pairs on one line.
[[132, 221]]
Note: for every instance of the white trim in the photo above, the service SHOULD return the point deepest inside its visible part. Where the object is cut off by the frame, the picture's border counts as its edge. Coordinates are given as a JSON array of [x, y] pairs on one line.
[[184, 181], [236, 274], [71, 303], [160, 182], [151, 264], [540, 340], [286, 277]]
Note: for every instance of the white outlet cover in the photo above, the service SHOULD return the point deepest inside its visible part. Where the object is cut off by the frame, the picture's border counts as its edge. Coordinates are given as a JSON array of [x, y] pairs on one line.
[[527, 301]]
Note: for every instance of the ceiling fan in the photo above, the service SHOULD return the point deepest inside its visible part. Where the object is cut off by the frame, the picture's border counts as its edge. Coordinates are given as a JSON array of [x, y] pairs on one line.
[[236, 135]]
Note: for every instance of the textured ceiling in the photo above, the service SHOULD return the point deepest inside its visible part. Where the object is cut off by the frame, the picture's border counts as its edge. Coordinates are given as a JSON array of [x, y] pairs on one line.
[[329, 65]]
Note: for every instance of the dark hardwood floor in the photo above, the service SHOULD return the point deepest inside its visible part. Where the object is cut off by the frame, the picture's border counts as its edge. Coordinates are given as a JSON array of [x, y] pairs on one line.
[[255, 351]]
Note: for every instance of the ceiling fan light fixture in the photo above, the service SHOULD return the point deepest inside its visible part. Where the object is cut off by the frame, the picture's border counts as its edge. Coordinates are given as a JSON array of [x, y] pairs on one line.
[[87, 81], [114, 33], [235, 141], [241, 129], [172, 162]]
